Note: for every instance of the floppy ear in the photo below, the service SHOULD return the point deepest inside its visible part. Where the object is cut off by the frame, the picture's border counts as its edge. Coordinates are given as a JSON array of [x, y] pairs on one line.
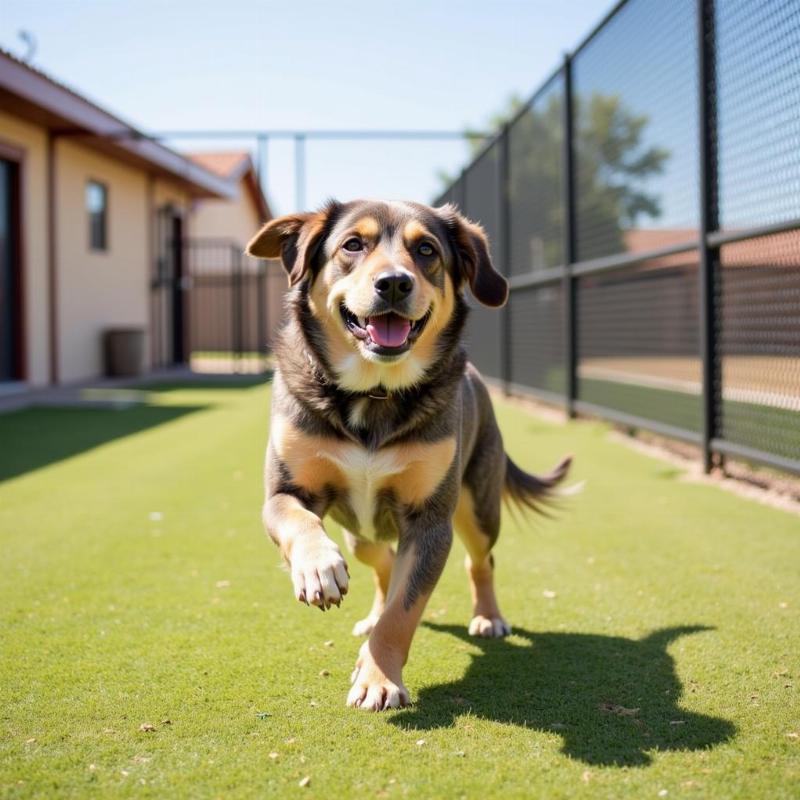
[[295, 239], [475, 265]]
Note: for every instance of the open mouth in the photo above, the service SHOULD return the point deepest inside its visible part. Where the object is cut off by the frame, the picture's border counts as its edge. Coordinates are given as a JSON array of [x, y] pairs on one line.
[[386, 334]]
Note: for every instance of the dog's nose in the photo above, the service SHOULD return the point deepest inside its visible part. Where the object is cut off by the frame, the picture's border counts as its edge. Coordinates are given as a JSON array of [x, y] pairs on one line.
[[394, 286]]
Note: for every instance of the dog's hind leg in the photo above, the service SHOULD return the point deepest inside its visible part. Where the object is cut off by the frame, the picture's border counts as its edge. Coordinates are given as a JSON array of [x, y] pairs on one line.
[[379, 556], [478, 536]]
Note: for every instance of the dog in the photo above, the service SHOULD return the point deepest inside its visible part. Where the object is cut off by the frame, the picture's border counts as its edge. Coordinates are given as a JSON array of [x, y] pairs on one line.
[[379, 420]]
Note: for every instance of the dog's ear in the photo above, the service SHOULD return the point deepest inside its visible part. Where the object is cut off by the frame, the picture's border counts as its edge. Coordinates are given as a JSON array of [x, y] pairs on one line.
[[472, 252], [295, 239]]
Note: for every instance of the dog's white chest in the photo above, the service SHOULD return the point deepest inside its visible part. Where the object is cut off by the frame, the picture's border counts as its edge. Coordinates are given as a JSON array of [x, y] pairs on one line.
[[366, 472]]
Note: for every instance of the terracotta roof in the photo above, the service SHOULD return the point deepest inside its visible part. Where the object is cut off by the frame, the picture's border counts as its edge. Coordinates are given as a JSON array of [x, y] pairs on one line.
[[229, 164], [235, 166], [29, 93]]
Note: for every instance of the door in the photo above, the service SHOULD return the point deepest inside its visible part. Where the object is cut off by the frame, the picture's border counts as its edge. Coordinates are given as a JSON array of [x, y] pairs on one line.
[[10, 277], [169, 288], [178, 288]]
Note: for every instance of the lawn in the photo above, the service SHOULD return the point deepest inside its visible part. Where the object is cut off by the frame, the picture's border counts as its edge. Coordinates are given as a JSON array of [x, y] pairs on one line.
[[656, 645]]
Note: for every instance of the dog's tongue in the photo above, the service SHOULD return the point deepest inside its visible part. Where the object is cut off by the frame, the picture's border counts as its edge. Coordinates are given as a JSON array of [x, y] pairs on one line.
[[388, 330]]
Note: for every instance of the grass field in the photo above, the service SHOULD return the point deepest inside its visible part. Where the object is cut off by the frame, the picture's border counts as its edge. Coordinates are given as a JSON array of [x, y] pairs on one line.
[[656, 645]]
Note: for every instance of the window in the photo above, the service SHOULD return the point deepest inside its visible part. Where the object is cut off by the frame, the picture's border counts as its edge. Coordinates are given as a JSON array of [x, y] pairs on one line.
[[97, 207]]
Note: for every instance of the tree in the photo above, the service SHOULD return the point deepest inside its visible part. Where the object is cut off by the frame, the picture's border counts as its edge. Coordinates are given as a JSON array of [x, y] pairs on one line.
[[612, 166]]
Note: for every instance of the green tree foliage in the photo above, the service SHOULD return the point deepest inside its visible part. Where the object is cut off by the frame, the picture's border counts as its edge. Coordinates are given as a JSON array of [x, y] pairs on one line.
[[613, 164]]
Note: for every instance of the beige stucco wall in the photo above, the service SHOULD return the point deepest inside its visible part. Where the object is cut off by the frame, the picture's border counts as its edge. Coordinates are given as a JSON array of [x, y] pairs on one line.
[[236, 219], [33, 140], [98, 289]]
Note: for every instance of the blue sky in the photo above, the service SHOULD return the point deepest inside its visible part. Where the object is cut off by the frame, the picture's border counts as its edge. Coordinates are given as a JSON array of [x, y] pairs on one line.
[[350, 64]]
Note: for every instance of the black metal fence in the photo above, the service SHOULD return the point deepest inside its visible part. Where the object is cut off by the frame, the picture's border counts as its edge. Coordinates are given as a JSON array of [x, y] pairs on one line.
[[645, 206], [213, 307]]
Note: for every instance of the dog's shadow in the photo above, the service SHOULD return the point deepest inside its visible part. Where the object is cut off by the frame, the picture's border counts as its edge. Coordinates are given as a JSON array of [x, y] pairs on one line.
[[612, 700]]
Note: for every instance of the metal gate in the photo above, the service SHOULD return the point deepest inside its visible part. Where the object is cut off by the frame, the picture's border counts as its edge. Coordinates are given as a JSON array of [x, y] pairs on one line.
[[210, 303]]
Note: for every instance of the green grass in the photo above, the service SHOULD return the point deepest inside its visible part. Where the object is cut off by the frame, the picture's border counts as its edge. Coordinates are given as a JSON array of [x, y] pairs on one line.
[[137, 587]]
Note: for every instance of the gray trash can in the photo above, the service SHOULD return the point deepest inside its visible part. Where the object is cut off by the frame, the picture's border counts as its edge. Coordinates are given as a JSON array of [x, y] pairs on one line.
[[123, 351]]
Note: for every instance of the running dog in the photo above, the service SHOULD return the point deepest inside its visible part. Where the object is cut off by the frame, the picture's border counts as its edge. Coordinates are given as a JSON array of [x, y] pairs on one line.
[[379, 421]]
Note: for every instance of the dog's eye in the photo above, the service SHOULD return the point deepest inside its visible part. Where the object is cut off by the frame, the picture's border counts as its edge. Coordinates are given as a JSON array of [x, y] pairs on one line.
[[353, 245], [426, 249]]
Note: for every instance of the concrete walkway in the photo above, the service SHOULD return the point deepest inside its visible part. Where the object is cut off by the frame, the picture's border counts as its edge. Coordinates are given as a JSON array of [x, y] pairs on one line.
[[105, 392]]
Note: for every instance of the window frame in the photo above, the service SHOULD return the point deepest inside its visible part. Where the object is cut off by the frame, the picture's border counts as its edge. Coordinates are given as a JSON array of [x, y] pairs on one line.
[[96, 246]]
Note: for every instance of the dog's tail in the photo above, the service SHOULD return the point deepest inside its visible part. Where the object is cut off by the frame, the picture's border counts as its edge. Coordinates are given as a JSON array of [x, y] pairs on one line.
[[535, 492]]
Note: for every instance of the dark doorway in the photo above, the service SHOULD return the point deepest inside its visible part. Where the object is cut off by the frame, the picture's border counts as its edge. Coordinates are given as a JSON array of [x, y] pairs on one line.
[[10, 274], [169, 291], [178, 291]]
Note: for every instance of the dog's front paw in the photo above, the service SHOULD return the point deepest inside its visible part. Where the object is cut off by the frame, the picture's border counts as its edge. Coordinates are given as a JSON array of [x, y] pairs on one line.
[[489, 627], [319, 573], [372, 689]]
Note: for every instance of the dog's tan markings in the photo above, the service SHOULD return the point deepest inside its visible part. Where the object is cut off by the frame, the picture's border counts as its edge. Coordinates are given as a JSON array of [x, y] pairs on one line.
[[486, 618], [414, 231], [380, 557], [310, 459], [411, 471], [367, 228], [377, 678], [427, 464], [424, 351]]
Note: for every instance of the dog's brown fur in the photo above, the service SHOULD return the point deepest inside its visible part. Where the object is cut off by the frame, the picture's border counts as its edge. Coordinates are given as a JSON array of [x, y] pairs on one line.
[[395, 443]]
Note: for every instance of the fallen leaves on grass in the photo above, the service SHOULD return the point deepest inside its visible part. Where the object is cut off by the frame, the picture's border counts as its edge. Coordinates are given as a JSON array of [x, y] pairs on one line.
[[263, 714], [621, 711], [549, 594], [329, 643], [305, 781], [324, 673], [420, 742], [147, 727], [222, 584]]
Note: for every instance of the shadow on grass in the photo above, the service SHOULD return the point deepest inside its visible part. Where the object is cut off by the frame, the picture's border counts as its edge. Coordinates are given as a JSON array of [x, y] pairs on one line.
[[584, 687], [207, 381], [37, 437]]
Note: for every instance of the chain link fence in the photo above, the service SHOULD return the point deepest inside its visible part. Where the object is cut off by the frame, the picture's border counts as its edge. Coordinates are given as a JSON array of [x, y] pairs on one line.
[[645, 206]]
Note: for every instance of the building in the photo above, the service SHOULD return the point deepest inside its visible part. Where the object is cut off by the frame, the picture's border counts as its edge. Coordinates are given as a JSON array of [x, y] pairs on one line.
[[236, 219], [93, 220]]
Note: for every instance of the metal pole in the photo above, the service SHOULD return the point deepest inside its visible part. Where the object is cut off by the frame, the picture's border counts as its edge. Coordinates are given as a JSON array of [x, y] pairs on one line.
[[235, 308], [504, 201], [708, 256], [300, 171], [569, 284], [262, 162], [261, 311]]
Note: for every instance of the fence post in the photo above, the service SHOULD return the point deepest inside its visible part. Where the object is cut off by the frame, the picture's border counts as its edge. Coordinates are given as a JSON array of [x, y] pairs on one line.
[[709, 222], [504, 199], [569, 286], [236, 307], [300, 171], [261, 327]]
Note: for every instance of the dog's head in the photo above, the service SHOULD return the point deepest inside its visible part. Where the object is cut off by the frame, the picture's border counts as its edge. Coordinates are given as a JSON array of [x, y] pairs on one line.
[[383, 281]]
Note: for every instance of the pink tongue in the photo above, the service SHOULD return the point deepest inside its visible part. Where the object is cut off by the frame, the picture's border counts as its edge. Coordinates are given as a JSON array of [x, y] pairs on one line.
[[388, 330]]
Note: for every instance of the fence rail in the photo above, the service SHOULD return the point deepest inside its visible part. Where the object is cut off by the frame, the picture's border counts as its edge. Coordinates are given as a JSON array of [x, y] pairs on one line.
[[645, 207]]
